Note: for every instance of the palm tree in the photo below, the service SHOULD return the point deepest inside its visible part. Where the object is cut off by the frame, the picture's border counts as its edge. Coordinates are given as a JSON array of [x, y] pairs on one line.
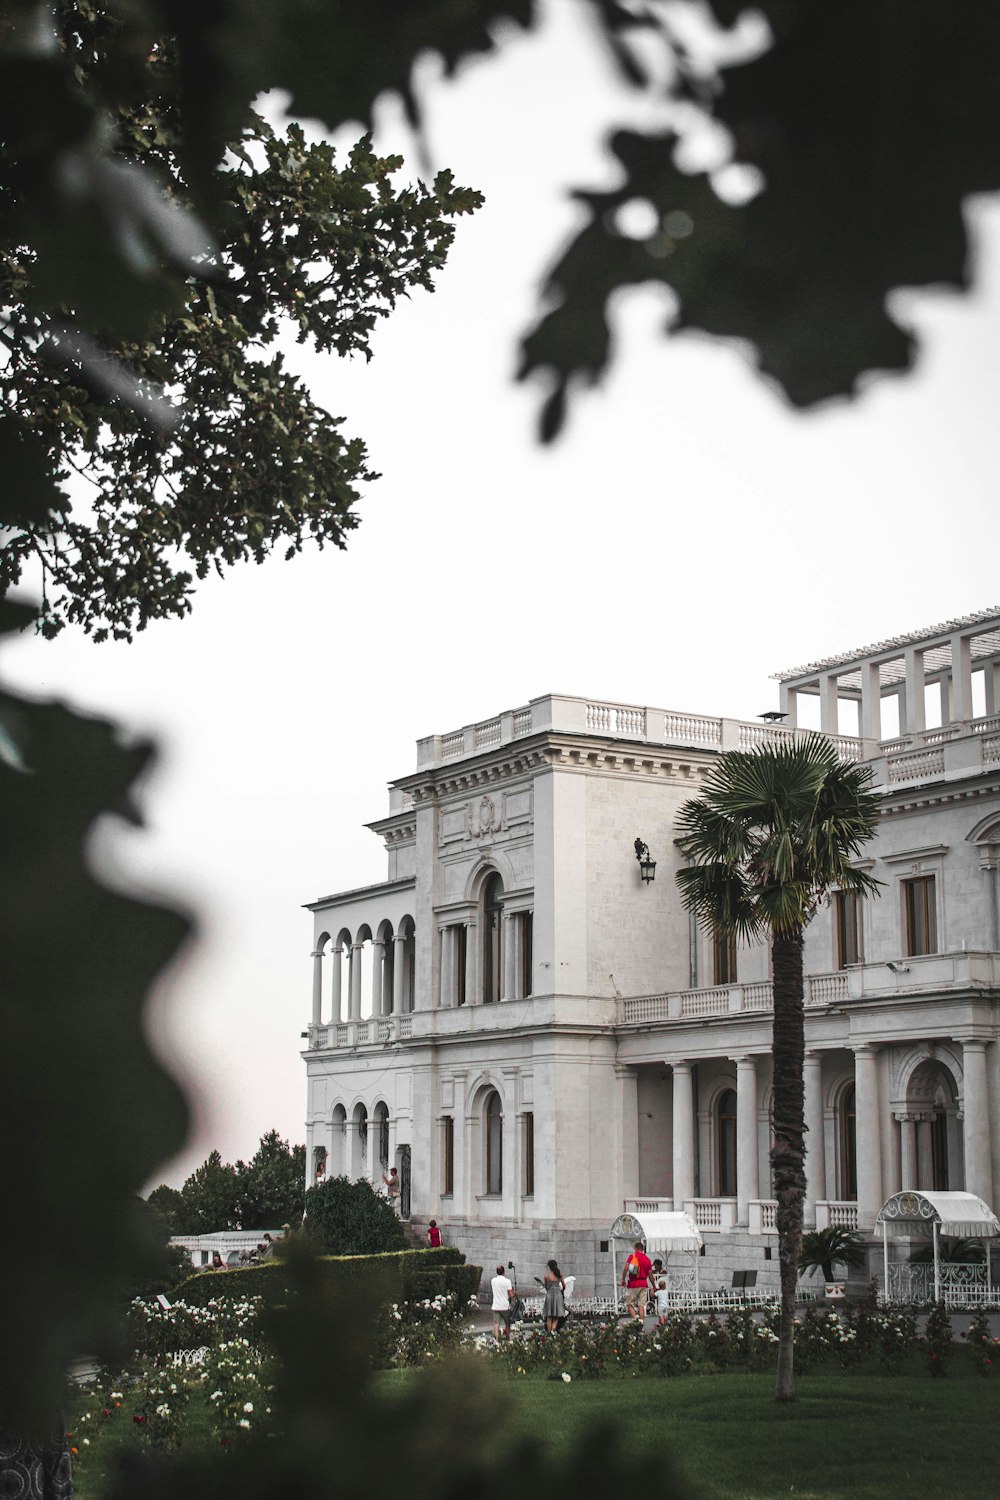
[[822, 1249], [772, 833]]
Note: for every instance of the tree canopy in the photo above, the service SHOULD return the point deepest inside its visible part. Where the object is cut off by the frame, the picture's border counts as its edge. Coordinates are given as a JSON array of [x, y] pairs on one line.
[[181, 442], [263, 1193], [350, 1218]]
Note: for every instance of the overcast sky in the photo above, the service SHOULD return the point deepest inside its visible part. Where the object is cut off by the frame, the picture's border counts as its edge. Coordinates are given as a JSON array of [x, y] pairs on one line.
[[685, 539]]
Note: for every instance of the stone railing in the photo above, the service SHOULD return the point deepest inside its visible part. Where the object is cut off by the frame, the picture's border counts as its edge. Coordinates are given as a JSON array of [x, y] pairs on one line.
[[762, 1212], [649, 1205], [626, 721], [722, 1000], [951, 748], [834, 1215]]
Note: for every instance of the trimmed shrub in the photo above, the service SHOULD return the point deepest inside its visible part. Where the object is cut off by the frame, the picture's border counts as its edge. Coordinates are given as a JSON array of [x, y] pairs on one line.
[[350, 1218]]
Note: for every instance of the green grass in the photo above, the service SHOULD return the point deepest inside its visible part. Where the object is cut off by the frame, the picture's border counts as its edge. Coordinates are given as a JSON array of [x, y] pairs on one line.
[[872, 1437]]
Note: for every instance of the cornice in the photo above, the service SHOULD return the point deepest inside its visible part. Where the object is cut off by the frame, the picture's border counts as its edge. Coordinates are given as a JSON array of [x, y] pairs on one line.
[[341, 898], [551, 750], [898, 803]]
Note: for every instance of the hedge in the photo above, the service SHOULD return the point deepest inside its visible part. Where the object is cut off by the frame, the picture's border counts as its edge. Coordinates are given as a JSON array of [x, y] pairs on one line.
[[394, 1276]]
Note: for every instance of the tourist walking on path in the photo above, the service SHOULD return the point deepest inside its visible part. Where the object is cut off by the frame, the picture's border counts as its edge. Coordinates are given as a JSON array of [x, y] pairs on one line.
[[503, 1294], [635, 1280], [555, 1297]]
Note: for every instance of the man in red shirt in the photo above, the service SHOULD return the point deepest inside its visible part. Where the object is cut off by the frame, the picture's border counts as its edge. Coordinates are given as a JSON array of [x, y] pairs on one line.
[[635, 1280]]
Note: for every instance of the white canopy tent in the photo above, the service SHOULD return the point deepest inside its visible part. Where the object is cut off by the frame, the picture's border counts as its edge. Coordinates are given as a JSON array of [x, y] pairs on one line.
[[957, 1215], [669, 1234]]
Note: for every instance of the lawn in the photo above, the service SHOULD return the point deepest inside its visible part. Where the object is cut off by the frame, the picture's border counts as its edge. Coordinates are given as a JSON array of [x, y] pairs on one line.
[[872, 1437]]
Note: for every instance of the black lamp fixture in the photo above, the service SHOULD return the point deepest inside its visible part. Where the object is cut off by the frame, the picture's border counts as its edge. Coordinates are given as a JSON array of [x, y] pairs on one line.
[[647, 866], [773, 716]]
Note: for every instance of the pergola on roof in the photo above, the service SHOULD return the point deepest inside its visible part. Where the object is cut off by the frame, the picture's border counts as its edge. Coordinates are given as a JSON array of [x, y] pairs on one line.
[[962, 1215], [658, 1231], [936, 642]]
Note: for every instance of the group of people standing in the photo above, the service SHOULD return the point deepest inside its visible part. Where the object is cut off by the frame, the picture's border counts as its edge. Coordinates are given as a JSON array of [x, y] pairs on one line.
[[506, 1299], [640, 1277]]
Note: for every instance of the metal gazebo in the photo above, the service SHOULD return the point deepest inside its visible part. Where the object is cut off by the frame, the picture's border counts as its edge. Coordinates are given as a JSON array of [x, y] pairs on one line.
[[670, 1234], [928, 1215]]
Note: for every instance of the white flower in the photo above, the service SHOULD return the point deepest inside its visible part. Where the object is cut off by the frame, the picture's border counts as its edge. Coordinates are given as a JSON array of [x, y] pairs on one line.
[[243, 1423], [566, 1377], [248, 1406], [86, 1442]]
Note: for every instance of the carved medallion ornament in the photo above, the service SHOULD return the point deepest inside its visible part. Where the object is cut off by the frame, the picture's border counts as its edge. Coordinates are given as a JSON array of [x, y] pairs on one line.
[[485, 818]]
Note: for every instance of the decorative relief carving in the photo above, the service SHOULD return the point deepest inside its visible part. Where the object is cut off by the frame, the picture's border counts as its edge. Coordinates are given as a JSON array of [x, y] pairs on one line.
[[486, 817]]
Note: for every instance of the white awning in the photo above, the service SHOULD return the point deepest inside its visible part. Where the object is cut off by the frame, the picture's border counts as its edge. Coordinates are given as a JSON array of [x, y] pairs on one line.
[[961, 1215], [659, 1231]]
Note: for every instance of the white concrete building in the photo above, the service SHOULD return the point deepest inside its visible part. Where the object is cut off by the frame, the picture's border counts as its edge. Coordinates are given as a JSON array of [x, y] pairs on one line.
[[539, 1039]]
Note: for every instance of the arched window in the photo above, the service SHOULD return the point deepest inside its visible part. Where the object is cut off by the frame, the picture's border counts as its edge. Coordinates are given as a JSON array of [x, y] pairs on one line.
[[382, 1121], [494, 1144], [493, 975], [337, 1165], [359, 1142], [848, 1144], [725, 1113]]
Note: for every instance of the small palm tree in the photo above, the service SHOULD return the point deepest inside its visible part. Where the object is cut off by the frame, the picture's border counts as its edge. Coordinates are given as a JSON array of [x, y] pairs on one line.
[[772, 833], [822, 1249]]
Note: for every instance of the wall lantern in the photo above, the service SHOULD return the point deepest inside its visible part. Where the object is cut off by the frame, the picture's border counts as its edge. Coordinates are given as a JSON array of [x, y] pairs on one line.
[[647, 866]]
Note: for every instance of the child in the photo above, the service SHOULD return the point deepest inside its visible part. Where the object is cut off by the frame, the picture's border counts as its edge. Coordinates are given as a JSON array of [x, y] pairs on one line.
[[433, 1234], [661, 1302]]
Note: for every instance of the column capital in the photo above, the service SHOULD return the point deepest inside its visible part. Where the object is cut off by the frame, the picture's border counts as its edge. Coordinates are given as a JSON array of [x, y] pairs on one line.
[[745, 1059], [972, 1043], [316, 953], [679, 1067], [865, 1049]]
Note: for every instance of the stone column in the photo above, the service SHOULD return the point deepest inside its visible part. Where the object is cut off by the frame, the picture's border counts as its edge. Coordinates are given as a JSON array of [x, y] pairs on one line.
[[373, 1169], [509, 955], [473, 986], [870, 717], [447, 968], [683, 1134], [398, 965], [378, 953], [868, 1142], [829, 710], [908, 1151], [976, 1120], [356, 981], [747, 1173], [336, 956], [989, 859], [471, 1167], [960, 681], [628, 1130], [925, 1151], [815, 1140], [317, 1006], [916, 717]]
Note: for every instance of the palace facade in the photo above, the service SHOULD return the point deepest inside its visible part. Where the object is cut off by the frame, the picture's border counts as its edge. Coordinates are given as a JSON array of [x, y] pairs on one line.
[[539, 1038]]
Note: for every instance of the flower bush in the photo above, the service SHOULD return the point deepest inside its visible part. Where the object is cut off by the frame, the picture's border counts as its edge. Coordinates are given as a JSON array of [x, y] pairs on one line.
[[938, 1337], [423, 1329], [238, 1384], [157, 1330], [979, 1337], [158, 1402]]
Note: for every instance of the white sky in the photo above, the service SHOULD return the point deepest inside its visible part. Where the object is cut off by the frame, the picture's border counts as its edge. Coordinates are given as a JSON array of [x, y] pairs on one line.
[[686, 538]]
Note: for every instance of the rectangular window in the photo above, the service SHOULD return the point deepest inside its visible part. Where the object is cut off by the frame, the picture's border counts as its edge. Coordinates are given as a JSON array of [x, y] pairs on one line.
[[847, 920], [525, 953], [724, 959], [529, 1155], [448, 1165], [461, 958], [920, 906]]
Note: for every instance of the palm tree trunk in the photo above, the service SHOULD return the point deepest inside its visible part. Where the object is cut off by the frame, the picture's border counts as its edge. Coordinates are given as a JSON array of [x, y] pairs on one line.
[[788, 1151]]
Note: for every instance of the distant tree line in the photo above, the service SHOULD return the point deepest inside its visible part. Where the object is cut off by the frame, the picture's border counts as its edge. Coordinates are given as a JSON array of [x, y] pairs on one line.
[[262, 1193]]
